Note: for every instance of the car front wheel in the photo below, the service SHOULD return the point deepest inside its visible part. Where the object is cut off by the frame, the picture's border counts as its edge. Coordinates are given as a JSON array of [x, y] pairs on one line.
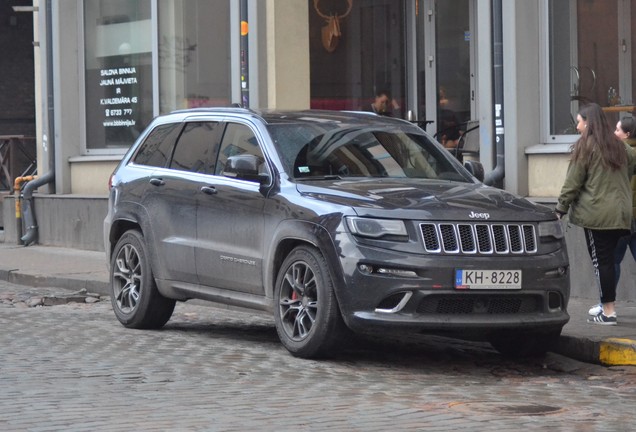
[[307, 316], [134, 296]]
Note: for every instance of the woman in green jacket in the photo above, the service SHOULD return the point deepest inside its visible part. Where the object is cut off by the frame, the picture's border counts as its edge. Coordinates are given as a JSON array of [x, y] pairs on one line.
[[598, 197]]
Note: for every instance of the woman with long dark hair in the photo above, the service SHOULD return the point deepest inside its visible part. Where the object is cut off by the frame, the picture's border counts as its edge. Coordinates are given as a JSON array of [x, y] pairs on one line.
[[597, 194]]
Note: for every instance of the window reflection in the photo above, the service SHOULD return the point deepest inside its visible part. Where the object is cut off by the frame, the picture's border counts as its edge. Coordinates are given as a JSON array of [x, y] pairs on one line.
[[118, 71], [590, 59], [453, 70], [367, 60], [194, 54]]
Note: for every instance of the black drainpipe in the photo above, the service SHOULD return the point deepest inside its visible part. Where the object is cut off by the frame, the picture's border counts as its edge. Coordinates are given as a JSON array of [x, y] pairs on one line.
[[244, 48], [495, 177], [31, 235]]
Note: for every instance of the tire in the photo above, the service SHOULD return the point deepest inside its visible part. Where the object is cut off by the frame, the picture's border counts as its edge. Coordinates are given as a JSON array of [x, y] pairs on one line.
[[134, 295], [516, 344], [306, 312]]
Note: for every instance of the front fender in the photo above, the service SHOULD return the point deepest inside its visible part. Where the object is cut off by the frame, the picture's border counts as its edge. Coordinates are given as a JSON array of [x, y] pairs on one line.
[[292, 233]]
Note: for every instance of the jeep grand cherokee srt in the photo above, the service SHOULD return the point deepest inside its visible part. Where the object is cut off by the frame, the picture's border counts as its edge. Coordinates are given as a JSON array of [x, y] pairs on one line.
[[332, 222]]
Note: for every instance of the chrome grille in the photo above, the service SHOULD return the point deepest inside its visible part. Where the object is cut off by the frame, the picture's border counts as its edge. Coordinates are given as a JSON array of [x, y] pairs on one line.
[[478, 238]]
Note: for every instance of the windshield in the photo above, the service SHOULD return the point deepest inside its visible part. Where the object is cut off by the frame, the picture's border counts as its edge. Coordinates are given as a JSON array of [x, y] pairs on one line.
[[311, 151]]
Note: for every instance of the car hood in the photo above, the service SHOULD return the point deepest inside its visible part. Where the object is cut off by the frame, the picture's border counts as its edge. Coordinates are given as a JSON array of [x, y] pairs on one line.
[[425, 199]]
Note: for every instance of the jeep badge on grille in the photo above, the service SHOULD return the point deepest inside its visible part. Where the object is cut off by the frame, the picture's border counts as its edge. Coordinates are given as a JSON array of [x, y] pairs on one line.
[[474, 215]]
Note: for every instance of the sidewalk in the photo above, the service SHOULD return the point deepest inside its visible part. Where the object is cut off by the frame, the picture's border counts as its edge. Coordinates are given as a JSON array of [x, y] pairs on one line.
[[72, 269]]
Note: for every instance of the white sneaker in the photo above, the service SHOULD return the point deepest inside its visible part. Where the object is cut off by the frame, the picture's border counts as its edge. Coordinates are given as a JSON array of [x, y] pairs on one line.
[[596, 309], [602, 319]]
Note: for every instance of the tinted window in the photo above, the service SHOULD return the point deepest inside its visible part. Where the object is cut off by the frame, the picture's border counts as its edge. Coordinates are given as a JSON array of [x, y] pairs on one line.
[[195, 146], [156, 149], [237, 140]]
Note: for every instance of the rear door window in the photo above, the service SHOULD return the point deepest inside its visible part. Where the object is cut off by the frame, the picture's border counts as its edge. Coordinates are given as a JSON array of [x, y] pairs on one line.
[[196, 146], [157, 148]]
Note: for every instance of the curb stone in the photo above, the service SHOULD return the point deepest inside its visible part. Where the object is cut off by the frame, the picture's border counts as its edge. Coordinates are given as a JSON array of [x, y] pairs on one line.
[[607, 352], [617, 352], [16, 277]]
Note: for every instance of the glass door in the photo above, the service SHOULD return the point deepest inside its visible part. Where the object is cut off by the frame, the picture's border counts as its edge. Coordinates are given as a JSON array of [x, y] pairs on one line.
[[446, 67]]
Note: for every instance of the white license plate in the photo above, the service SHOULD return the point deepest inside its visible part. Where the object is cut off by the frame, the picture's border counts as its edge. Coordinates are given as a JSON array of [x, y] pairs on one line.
[[488, 279]]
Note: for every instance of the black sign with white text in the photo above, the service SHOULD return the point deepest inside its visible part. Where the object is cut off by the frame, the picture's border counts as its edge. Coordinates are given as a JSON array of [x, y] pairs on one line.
[[118, 104]]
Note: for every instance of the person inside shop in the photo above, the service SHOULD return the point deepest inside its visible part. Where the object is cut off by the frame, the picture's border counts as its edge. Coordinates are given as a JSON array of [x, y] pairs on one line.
[[597, 196], [384, 104], [449, 127]]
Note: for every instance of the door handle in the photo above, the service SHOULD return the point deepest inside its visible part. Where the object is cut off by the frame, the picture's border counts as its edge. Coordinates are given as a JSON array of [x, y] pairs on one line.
[[157, 182], [208, 190]]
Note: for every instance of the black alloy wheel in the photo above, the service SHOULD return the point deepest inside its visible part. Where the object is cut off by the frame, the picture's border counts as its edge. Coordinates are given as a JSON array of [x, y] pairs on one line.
[[134, 296], [307, 316]]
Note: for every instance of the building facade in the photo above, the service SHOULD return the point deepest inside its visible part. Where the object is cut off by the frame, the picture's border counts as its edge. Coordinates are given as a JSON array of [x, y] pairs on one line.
[[510, 75]]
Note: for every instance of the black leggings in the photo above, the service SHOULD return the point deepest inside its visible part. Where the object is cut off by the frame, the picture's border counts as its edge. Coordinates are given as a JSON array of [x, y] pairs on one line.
[[601, 245]]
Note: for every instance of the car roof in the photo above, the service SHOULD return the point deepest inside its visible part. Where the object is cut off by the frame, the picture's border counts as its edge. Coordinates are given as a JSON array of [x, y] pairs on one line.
[[293, 116]]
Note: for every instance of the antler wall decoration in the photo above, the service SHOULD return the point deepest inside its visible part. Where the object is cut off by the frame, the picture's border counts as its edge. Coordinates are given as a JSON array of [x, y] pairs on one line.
[[331, 31]]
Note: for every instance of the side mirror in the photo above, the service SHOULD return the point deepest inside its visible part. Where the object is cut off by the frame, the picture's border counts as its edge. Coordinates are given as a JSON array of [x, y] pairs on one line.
[[246, 167], [476, 169]]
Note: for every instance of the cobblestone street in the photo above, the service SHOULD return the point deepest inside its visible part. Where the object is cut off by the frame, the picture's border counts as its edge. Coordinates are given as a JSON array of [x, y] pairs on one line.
[[72, 366]]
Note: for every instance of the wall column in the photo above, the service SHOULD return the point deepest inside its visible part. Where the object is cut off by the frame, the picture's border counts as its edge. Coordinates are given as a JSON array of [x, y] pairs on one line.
[[521, 81], [66, 16], [287, 55]]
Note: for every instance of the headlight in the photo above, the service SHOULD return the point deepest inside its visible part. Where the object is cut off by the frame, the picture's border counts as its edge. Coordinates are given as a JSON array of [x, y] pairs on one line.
[[376, 228], [552, 228]]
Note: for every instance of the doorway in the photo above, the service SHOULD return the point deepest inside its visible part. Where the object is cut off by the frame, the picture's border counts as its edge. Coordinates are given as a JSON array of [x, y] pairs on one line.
[[446, 67]]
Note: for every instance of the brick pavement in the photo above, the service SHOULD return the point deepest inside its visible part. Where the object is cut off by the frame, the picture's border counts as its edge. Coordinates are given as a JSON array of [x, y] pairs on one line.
[[74, 367]]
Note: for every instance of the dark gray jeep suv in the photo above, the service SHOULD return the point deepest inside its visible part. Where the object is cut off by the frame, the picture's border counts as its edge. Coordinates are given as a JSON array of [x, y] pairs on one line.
[[331, 221]]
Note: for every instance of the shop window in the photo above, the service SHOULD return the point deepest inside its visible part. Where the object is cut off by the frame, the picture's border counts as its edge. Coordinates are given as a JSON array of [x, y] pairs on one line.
[[452, 43], [356, 53], [118, 72], [194, 54], [590, 59]]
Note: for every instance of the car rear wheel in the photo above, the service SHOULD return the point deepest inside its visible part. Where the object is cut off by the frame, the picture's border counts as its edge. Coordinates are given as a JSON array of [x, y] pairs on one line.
[[307, 316], [518, 344], [136, 301]]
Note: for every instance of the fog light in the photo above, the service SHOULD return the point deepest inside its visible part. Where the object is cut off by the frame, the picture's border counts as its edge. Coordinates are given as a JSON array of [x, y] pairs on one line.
[[397, 272], [367, 269]]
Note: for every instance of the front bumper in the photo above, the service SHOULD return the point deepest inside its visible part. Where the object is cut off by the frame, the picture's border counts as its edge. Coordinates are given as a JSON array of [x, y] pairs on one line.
[[429, 301]]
